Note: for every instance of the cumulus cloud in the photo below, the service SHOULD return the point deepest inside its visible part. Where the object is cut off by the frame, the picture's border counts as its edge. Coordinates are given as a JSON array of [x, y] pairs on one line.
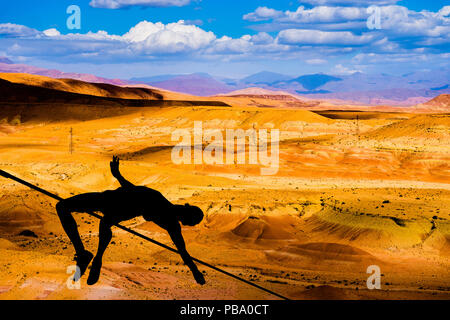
[[172, 34], [318, 14], [118, 4], [52, 32], [400, 26], [326, 18], [263, 13], [353, 3], [342, 70], [146, 40], [262, 38], [400, 21], [312, 34], [227, 45], [445, 11], [15, 30], [325, 14], [176, 37]]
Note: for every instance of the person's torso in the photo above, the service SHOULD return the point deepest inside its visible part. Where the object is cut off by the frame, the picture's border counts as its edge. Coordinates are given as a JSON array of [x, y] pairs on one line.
[[127, 203]]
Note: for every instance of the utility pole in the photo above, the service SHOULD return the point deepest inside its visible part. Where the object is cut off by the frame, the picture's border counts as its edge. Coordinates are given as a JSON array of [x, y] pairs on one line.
[[357, 127], [71, 141]]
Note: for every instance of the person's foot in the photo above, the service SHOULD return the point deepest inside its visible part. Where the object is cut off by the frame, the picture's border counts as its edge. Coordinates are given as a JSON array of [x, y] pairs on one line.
[[83, 259], [94, 275], [198, 276]]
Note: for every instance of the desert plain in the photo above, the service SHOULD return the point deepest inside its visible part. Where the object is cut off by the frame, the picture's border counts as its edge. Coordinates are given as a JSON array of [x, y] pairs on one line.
[[356, 187]]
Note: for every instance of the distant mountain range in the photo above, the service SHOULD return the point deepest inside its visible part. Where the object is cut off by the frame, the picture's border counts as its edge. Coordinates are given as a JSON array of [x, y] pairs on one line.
[[264, 78], [199, 84], [358, 88], [311, 82]]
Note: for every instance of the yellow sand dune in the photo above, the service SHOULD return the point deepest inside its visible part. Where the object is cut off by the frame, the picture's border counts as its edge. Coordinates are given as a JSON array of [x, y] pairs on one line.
[[341, 201], [81, 87], [434, 125]]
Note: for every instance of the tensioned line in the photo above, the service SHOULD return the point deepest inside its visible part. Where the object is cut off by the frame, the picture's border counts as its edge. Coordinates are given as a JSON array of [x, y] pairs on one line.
[[54, 196]]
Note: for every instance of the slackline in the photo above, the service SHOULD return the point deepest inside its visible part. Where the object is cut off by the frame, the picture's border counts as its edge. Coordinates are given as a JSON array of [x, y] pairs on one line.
[[54, 196]]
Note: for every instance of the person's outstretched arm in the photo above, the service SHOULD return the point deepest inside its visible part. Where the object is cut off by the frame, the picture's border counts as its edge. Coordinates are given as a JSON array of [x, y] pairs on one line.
[[116, 173], [177, 238]]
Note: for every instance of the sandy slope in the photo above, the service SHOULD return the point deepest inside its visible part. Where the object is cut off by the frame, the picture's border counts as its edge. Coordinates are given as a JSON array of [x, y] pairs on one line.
[[442, 100], [81, 87], [348, 194]]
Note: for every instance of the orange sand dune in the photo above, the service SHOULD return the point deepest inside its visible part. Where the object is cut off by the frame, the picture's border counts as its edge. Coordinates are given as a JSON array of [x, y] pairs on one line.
[[418, 126], [442, 100], [81, 87], [350, 192]]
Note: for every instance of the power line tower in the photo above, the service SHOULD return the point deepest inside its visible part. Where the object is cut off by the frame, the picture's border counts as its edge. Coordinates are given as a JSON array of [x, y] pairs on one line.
[[357, 128], [71, 141]]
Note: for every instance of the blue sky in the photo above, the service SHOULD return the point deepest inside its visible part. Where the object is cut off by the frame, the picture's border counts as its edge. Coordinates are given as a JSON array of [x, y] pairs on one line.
[[136, 38]]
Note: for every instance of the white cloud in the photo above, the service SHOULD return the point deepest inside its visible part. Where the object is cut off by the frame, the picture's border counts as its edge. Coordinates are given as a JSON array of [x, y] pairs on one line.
[[316, 33], [52, 32], [384, 45], [263, 13], [342, 70], [325, 18], [363, 3], [316, 37], [323, 14], [316, 61], [227, 45], [118, 4], [262, 38], [143, 30], [401, 27], [148, 37], [16, 30], [146, 40], [316, 15], [445, 11], [400, 21]]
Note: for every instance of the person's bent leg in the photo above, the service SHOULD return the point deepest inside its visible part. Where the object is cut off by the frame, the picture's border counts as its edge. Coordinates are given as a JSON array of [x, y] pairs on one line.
[[105, 236], [70, 226], [82, 203]]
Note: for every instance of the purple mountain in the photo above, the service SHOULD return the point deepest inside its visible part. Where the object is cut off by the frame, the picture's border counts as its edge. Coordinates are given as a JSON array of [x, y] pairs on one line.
[[7, 66], [199, 84], [359, 88]]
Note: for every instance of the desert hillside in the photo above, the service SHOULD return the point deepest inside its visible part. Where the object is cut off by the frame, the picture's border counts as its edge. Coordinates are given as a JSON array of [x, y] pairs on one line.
[[441, 101], [52, 100], [353, 189], [81, 87]]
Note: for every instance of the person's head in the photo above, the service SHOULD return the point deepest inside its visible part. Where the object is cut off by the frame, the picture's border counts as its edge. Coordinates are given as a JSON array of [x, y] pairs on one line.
[[188, 215]]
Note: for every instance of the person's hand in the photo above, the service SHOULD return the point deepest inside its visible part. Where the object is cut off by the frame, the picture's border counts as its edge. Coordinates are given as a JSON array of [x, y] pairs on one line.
[[115, 166], [199, 277]]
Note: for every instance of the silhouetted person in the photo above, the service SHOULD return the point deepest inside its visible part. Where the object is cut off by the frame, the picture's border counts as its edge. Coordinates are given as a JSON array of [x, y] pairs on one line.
[[127, 202]]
